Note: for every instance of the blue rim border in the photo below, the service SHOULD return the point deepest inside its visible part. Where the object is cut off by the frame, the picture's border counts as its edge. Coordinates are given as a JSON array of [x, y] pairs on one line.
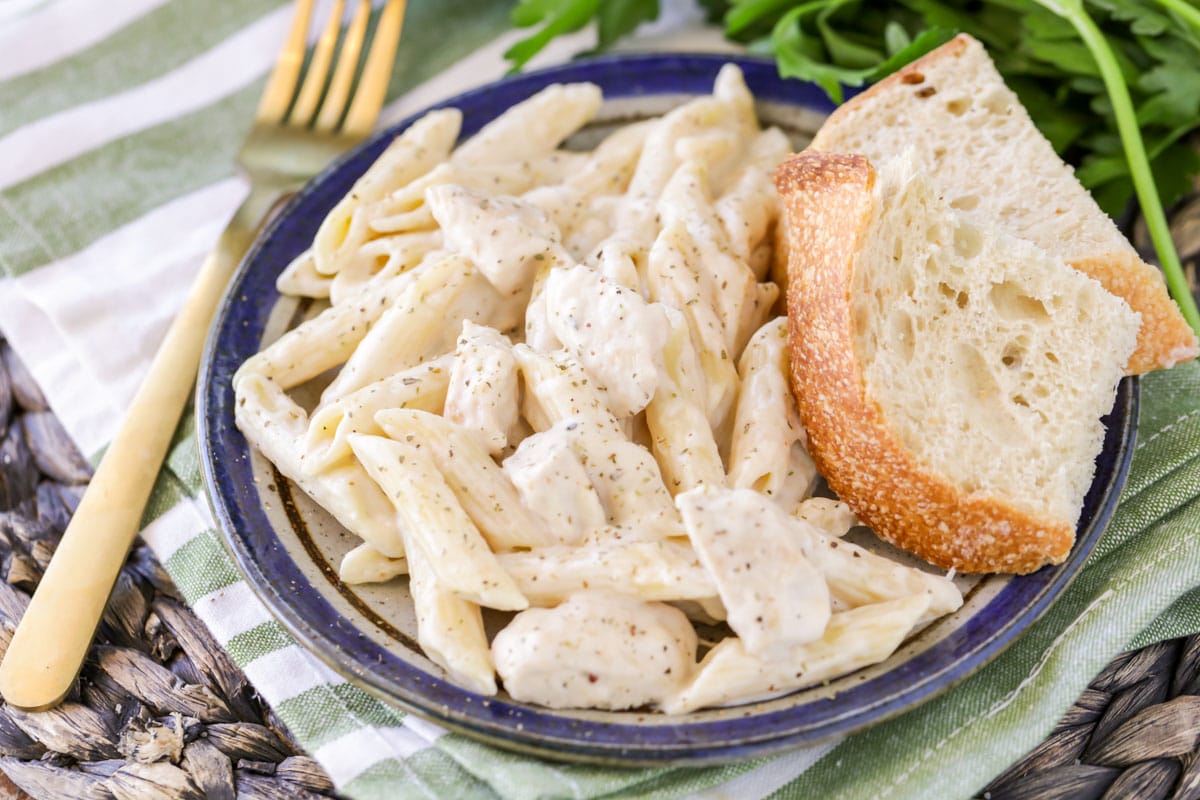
[[248, 535]]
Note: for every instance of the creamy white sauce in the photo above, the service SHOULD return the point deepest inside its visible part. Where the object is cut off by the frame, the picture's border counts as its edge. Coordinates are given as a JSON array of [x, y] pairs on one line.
[[597, 650]]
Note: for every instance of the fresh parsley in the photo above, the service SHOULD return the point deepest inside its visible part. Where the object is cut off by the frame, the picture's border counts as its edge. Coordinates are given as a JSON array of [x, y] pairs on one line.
[[1113, 84]]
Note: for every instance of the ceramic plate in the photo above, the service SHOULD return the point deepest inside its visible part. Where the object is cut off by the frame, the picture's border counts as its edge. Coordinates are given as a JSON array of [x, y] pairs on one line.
[[288, 548]]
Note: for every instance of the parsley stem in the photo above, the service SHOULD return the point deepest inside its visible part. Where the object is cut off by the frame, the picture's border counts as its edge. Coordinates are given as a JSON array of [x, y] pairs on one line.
[[1135, 152]]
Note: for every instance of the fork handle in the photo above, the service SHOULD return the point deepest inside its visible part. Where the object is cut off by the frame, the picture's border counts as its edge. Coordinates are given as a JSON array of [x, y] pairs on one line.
[[56, 630]]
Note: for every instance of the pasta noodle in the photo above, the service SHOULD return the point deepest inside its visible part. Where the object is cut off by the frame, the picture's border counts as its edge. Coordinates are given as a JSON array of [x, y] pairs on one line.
[[560, 394]]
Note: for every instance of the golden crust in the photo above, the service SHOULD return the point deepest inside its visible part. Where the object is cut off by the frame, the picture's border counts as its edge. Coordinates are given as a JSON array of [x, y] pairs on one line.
[[1164, 339], [828, 200]]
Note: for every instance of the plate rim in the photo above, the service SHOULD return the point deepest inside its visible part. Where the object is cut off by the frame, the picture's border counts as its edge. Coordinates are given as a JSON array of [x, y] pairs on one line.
[[474, 723]]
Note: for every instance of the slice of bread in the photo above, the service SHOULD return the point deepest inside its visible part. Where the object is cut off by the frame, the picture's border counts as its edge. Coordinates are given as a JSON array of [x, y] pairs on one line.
[[975, 140], [951, 377]]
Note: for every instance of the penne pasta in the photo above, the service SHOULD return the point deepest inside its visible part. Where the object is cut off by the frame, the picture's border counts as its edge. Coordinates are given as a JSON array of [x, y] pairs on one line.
[[749, 207], [767, 453], [606, 172], [857, 577], [424, 387], [301, 279], [275, 425], [755, 312], [365, 564], [852, 640], [406, 209], [830, 517], [329, 339], [449, 628], [557, 388], [727, 283], [672, 280], [435, 524], [387, 255], [538, 334], [479, 485], [636, 218], [663, 570], [425, 144], [556, 377], [533, 127], [422, 323], [681, 439], [730, 87]]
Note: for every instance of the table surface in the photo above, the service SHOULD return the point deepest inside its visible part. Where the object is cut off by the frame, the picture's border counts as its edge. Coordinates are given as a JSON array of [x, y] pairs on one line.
[[161, 710]]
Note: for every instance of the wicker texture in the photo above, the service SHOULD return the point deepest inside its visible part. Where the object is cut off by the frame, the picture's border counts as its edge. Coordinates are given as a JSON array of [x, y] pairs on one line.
[[159, 709], [1133, 734]]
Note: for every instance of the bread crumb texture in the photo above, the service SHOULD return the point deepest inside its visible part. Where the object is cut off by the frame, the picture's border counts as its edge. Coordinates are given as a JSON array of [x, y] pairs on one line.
[[950, 375], [970, 134]]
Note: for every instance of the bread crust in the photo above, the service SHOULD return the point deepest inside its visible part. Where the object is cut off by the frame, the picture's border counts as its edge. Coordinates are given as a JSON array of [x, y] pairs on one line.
[[903, 500], [1164, 339]]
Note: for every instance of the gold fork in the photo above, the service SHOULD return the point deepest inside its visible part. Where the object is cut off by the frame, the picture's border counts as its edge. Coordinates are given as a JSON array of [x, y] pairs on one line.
[[298, 129]]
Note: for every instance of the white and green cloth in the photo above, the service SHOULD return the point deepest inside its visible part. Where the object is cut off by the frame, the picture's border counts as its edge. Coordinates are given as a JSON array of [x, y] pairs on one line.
[[118, 126]]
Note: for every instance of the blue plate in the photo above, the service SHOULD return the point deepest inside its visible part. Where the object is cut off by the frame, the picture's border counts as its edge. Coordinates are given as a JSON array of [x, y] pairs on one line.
[[288, 549]]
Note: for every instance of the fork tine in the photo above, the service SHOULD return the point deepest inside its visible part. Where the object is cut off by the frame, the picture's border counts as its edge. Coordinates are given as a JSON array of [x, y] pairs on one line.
[[277, 95], [372, 86], [343, 74], [318, 68]]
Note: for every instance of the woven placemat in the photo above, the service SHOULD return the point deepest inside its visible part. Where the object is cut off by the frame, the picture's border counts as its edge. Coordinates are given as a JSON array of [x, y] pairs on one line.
[[160, 710]]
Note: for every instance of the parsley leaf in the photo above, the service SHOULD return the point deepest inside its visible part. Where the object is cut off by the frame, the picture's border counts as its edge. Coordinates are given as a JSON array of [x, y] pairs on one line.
[[560, 16], [619, 17]]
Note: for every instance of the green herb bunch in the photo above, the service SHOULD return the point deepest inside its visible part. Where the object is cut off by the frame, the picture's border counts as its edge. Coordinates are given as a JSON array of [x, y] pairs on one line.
[[1113, 84]]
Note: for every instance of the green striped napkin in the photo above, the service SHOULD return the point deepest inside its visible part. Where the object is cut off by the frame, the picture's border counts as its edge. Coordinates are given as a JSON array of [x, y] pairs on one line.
[[118, 125]]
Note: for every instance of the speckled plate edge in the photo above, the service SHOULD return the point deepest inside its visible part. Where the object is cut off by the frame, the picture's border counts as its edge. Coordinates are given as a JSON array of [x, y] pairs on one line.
[[254, 548]]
